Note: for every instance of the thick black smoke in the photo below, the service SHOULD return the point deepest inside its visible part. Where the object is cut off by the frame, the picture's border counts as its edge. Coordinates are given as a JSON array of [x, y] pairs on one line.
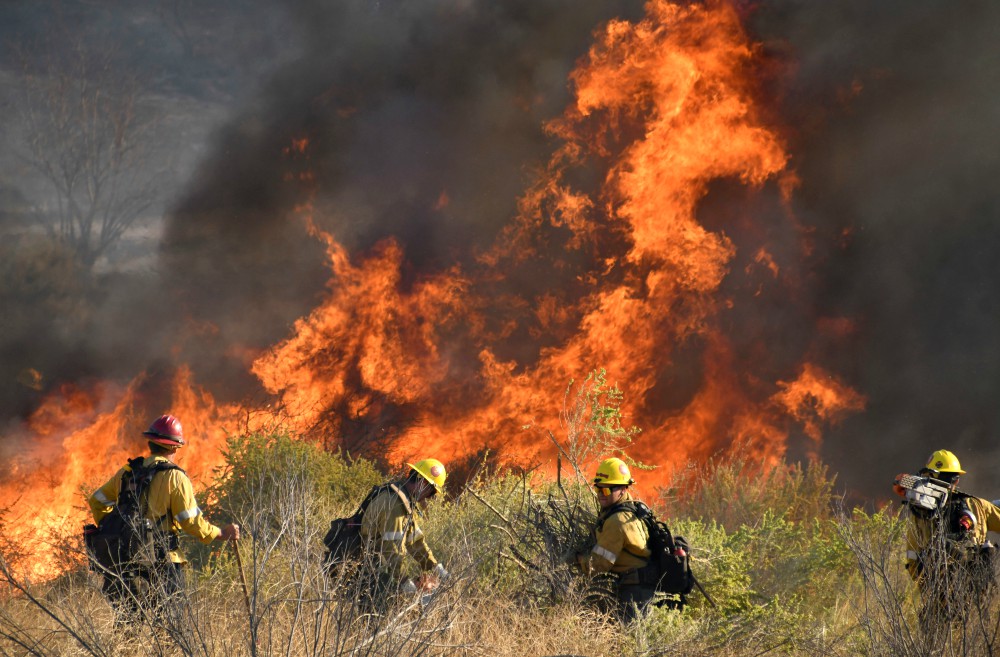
[[895, 131], [424, 122]]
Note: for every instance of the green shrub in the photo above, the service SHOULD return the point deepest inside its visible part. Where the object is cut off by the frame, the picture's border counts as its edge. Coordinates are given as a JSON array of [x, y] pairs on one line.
[[276, 484], [507, 532], [736, 491], [255, 462], [722, 564]]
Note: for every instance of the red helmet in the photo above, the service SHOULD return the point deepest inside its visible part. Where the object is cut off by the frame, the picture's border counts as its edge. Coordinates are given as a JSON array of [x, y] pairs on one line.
[[166, 430]]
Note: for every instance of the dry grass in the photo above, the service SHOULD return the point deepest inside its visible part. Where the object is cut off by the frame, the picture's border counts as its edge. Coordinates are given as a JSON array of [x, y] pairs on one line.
[[789, 575], [75, 620]]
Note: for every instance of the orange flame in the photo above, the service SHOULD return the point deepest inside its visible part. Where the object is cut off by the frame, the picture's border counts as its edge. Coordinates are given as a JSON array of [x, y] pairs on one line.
[[679, 75], [816, 397], [424, 365], [77, 440]]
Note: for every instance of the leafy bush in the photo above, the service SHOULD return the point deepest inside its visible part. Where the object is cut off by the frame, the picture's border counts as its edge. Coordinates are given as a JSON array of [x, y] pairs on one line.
[[788, 571], [506, 531], [593, 421], [269, 481], [735, 490], [256, 462]]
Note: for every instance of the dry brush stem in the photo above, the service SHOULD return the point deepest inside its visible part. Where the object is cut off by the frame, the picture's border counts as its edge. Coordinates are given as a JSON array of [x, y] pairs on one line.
[[954, 613]]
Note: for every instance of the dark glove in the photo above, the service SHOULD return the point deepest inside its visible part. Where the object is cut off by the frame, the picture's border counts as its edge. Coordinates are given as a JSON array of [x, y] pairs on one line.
[[569, 557]]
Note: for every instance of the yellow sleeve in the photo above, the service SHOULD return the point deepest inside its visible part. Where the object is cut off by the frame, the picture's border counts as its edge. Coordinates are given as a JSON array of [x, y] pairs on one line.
[[610, 541], [918, 535], [104, 498], [992, 517], [989, 515], [419, 549], [985, 516], [184, 509], [384, 524]]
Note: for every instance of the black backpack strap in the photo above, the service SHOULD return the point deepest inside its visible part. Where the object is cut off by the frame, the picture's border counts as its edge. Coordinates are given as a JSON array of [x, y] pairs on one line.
[[135, 467], [375, 492], [640, 510], [163, 466], [402, 497], [630, 505], [143, 476], [654, 524], [655, 528], [646, 517], [372, 494]]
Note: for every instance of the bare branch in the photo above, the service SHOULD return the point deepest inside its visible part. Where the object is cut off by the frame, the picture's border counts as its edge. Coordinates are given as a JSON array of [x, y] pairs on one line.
[[83, 124]]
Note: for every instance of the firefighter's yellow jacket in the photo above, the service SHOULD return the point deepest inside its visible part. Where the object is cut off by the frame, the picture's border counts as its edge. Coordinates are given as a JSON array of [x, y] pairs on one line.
[[985, 517], [620, 543], [389, 527], [171, 497]]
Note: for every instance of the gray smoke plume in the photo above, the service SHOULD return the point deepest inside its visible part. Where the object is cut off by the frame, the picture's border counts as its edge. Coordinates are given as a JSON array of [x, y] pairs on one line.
[[423, 121], [895, 131]]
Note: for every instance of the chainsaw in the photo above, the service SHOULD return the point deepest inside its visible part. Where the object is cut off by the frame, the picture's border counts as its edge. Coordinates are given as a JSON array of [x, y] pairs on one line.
[[924, 493]]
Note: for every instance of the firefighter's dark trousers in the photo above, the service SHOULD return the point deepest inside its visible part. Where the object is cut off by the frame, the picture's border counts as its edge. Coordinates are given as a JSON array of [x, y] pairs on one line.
[[139, 590], [622, 595], [634, 601]]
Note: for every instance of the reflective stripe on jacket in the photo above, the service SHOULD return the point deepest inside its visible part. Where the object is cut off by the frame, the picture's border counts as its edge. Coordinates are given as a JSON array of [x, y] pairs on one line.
[[620, 544], [389, 526], [170, 494]]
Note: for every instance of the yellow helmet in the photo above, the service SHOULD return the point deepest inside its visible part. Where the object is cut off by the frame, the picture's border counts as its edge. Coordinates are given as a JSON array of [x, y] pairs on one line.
[[944, 461], [432, 470], [613, 472]]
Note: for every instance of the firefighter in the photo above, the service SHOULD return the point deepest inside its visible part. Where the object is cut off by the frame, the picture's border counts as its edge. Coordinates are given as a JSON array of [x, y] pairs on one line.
[[390, 531], [966, 519], [948, 554], [171, 508], [620, 542]]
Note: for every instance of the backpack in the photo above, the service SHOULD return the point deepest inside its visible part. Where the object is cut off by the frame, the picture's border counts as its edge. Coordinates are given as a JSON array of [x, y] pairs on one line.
[[343, 540], [669, 566], [125, 539]]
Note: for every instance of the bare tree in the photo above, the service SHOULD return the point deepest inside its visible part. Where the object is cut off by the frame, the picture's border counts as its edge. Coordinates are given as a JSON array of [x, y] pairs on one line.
[[84, 126], [176, 17]]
